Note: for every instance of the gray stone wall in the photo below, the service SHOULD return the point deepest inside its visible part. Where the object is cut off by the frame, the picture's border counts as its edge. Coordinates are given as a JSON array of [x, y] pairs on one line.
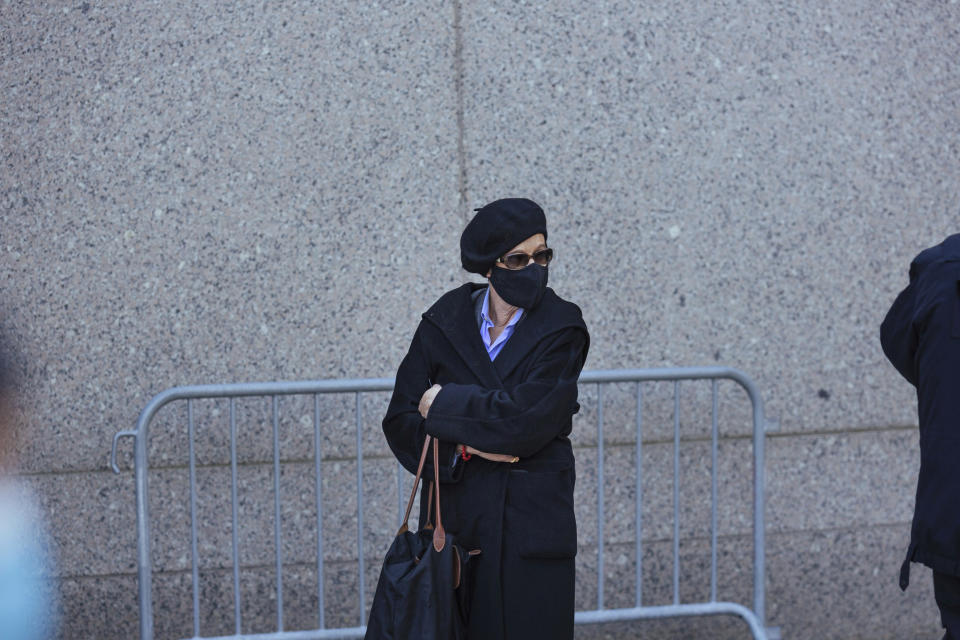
[[231, 191]]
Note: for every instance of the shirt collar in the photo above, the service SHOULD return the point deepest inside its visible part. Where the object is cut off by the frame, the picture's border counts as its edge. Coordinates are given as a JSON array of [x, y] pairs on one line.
[[485, 312]]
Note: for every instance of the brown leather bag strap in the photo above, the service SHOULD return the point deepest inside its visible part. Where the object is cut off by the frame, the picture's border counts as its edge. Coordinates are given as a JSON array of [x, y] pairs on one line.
[[416, 483], [429, 524], [439, 535]]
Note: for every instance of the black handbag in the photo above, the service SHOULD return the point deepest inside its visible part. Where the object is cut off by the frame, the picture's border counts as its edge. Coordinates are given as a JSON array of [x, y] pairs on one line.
[[424, 586]]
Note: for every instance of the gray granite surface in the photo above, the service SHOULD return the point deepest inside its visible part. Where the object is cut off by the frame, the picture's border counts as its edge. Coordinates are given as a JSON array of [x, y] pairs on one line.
[[861, 561], [812, 486], [219, 192], [198, 195], [741, 182]]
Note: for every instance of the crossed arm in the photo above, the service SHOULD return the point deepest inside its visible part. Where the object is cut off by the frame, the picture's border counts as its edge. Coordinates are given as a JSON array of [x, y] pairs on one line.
[[427, 399], [497, 424]]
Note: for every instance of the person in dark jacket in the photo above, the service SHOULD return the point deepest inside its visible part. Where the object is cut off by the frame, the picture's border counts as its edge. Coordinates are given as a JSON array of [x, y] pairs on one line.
[[921, 337], [492, 373]]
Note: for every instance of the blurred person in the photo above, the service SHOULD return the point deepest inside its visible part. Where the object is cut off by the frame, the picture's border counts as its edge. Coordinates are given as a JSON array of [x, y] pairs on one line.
[[26, 608], [921, 337], [492, 374]]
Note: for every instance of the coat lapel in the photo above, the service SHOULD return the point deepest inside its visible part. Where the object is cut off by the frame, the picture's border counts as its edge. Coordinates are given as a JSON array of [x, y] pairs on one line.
[[454, 315], [548, 317], [525, 337], [459, 325]]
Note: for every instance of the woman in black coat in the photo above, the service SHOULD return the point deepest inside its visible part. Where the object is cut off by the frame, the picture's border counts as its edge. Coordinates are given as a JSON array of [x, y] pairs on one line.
[[492, 373]]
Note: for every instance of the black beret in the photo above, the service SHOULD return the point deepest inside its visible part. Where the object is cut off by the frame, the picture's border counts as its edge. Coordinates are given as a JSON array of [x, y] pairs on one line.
[[497, 228]]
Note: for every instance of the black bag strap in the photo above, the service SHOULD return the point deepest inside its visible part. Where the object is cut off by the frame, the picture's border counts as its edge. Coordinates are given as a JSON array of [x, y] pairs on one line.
[[439, 535]]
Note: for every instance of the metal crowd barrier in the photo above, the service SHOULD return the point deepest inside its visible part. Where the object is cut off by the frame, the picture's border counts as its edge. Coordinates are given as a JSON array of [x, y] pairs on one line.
[[753, 616]]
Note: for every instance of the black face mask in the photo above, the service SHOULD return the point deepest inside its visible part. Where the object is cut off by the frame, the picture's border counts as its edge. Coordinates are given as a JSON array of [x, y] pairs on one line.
[[521, 287]]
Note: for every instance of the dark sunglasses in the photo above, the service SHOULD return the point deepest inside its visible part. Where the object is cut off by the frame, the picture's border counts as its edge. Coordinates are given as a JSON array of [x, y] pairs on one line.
[[520, 260]]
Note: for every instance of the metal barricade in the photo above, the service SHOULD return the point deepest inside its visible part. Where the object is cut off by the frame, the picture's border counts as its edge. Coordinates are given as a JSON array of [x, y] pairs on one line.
[[753, 616]]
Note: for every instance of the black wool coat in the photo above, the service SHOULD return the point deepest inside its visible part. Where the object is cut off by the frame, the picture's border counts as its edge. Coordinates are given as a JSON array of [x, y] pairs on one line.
[[921, 337], [519, 515]]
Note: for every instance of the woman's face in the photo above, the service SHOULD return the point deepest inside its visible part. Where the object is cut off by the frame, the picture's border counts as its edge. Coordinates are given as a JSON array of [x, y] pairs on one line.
[[529, 246]]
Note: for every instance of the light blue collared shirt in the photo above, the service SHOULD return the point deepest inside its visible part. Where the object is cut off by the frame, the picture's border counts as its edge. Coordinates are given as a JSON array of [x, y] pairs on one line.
[[494, 348]]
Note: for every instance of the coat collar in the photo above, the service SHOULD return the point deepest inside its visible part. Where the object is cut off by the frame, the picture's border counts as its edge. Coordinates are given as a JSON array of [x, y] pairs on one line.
[[454, 314]]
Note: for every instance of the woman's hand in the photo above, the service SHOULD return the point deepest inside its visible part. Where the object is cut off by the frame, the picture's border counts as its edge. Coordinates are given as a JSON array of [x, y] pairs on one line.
[[427, 399], [493, 457]]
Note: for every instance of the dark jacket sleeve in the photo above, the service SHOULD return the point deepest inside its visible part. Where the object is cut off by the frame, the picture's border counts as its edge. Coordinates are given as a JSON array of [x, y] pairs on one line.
[[404, 426], [898, 334], [518, 421]]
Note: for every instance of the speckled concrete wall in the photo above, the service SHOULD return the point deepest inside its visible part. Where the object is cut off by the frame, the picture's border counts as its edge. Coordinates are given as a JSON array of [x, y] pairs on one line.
[[208, 192]]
